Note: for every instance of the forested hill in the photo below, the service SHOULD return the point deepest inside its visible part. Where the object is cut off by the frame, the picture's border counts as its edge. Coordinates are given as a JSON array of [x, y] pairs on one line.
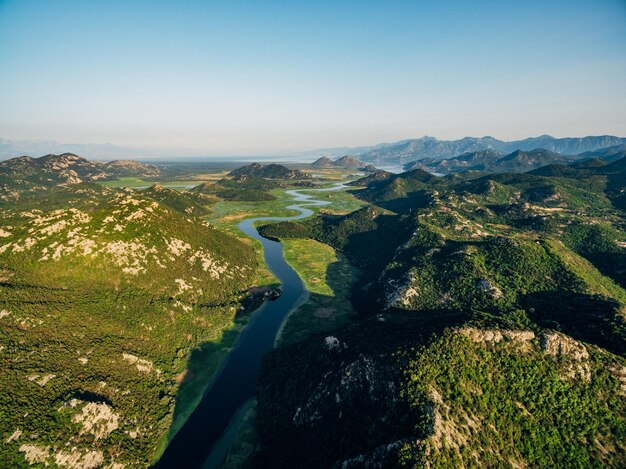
[[269, 171], [491, 328], [105, 296]]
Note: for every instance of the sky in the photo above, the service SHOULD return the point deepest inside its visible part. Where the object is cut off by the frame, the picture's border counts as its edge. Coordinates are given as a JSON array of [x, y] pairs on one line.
[[236, 78]]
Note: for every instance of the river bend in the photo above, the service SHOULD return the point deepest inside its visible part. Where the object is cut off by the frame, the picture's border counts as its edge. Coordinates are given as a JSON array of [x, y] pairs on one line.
[[235, 382]]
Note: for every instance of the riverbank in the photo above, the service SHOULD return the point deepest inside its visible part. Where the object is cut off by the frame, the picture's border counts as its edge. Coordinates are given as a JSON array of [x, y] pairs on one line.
[[235, 382], [329, 278]]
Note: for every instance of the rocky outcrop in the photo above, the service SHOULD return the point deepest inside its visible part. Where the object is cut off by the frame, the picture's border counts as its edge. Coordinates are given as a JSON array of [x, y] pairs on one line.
[[574, 354]]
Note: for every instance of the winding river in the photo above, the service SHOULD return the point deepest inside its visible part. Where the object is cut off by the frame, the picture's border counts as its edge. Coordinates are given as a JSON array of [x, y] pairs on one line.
[[196, 443]]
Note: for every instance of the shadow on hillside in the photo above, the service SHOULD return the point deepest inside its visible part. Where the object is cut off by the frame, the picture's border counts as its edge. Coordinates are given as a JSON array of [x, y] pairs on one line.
[[369, 250], [610, 264], [592, 319], [411, 202], [202, 365], [323, 313]]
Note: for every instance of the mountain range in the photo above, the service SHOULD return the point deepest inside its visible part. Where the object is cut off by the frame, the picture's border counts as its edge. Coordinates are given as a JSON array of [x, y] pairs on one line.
[[519, 161], [430, 147], [399, 152]]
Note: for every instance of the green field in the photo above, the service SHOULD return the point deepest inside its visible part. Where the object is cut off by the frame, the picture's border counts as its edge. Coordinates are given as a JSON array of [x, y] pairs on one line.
[[329, 278], [227, 214]]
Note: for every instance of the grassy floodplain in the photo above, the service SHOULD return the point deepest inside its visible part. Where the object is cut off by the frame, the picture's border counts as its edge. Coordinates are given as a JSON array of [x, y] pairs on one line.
[[329, 278]]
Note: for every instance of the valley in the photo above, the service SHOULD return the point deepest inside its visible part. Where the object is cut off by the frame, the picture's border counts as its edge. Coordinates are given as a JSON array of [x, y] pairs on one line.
[[388, 282], [203, 328], [313, 235]]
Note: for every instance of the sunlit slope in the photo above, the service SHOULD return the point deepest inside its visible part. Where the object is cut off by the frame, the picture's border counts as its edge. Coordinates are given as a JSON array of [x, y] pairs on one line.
[[102, 301], [490, 328]]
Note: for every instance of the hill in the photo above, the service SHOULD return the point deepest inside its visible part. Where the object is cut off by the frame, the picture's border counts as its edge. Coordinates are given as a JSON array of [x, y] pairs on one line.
[[490, 328], [269, 171], [350, 162], [377, 176], [50, 170], [104, 296], [346, 162], [323, 162], [242, 188], [130, 168], [26, 174]]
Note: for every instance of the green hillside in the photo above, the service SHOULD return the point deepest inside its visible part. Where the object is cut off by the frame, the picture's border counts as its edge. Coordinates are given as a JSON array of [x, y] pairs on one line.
[[104, 295], [491, 328]]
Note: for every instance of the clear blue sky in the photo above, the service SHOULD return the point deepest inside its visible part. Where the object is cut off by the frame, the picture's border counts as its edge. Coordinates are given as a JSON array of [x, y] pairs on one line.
[[257, 77]]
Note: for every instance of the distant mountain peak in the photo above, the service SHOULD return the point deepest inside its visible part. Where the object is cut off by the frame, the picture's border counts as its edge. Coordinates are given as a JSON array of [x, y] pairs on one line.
[[346, 161], [324, 161]]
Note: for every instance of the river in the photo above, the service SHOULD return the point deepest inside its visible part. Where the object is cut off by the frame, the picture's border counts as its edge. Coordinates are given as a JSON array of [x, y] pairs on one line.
[[235, 382]]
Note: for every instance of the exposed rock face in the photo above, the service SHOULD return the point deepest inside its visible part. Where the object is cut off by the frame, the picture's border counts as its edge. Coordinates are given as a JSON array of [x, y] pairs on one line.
[[401, 294], [95, 418], [143, 365], [561, 346], [496, 335], [35, 453], [558, 344], [489, 288], [76, 459]]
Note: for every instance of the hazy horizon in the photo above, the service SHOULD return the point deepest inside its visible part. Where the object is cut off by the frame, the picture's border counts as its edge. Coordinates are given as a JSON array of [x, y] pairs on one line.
[[249, 79]]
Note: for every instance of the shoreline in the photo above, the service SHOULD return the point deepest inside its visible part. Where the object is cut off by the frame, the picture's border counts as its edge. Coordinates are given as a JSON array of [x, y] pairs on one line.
[[301, 200]]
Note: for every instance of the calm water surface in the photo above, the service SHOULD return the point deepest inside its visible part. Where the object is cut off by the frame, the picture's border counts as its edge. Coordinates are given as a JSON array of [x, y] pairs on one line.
[[235, 382]]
